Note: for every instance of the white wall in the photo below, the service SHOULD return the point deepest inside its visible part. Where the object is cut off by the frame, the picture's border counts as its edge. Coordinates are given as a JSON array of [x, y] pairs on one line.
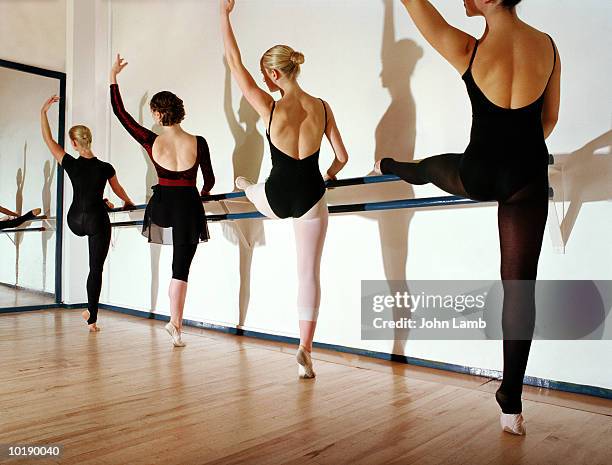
[[34, 32]]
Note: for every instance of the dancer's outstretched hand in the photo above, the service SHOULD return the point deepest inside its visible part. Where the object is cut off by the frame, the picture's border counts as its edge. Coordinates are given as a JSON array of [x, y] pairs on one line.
[[49, 102], [118, 66], [227, 6]]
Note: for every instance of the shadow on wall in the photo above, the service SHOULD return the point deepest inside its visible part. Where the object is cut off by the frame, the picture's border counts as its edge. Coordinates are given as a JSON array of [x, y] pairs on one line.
[[395, 137], [247, 158], [48, 175], [20, 180], [150, 180], [584, 175]]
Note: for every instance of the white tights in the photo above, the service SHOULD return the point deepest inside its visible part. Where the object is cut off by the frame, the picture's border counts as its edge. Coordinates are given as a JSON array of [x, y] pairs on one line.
[[310, 230]]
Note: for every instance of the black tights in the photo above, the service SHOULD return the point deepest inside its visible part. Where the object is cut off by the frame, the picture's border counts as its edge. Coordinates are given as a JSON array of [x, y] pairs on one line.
[[98, 250], [14, 223], [521, 222], [182, 256]]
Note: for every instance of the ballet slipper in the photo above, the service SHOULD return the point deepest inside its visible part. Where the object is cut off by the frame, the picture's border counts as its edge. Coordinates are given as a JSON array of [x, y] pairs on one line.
[[304, 360], [242, 183], [513, 424], [174, 333]]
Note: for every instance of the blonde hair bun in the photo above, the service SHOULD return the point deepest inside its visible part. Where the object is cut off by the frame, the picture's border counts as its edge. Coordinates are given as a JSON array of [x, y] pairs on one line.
[[284, 59], [81, 135], [297, 58]]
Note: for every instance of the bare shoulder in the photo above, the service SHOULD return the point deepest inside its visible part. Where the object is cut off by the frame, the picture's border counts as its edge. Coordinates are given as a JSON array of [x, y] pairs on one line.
[[536, 37]]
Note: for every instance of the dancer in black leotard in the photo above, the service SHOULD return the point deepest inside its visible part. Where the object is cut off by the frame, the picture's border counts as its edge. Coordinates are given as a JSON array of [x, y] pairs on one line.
[[175, 214], [87, 215], [295, 187], [506, 160], [17, 219]]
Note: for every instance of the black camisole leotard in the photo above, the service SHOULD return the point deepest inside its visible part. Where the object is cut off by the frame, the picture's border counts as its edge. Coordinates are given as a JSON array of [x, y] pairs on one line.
[[294, 186], [506, 154], [507, 149]]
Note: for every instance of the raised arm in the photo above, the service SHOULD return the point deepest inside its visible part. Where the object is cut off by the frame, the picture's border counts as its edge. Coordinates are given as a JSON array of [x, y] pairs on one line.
[[552, 98], [453, 44], [206, 167], [260, 100], [56, 150], [143, 136], [335, 139]]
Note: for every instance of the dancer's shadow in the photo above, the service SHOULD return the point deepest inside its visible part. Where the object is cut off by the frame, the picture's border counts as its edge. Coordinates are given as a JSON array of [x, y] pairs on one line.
[[150, 180], [49, 175], [246, 161], [20, 180], [395, 137], [584, 175]]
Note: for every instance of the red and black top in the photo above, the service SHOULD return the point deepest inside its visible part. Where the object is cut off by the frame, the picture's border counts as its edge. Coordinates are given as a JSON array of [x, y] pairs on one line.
[[146, 138]]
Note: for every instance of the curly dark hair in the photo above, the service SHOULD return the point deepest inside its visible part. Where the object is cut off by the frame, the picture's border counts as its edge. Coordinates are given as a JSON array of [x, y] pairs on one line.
[[169, 106], [510, 3]]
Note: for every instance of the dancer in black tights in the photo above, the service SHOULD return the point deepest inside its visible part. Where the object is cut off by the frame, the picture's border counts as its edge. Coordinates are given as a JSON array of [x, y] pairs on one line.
[[512, 75], [17, 219], [87, 215]]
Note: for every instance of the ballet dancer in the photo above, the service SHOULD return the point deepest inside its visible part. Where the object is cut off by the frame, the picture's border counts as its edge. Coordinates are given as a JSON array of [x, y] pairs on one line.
[[88, 214], [175, 213], [295, 187], [512, 75], [16, 219]]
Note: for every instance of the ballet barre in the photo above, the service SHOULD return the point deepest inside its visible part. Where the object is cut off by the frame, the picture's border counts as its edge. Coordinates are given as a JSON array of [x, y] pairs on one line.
[[9, 231], [338, 209], [238, 195], [376, 179]]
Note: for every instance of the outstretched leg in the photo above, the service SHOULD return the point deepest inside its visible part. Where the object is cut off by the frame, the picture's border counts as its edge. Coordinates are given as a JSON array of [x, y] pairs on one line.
[[521, 220], [256, 193], [16, 222], [310, 231], [440, 170]]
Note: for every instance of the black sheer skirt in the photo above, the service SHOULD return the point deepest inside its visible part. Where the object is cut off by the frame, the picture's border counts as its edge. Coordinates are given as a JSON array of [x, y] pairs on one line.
[[175, 216]]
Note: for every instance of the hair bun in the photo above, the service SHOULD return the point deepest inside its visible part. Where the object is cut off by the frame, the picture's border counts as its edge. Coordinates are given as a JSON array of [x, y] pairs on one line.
[[297, 58]]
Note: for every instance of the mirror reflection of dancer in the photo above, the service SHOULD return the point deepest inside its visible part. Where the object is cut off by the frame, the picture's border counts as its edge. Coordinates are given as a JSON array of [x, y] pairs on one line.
[[295, 187], [512, 75], [175, 214], [87, 215], [16, 219]]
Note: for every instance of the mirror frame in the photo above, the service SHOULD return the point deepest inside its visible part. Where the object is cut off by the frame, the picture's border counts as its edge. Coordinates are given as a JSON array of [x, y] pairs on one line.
[[59, 192]]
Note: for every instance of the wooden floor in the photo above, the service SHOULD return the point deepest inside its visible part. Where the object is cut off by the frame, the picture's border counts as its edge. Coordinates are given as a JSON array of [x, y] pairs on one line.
[[125, 396], [14, 297]]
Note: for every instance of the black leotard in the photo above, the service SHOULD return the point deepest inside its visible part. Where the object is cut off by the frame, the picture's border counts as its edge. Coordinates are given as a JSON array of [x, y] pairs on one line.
[[294, 186], [506, 153], [87, 216], [520, 153]]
